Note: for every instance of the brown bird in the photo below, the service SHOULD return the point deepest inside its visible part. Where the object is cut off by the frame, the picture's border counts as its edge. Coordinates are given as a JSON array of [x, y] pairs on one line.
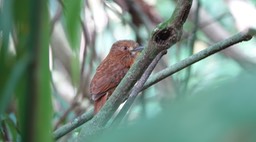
[[112, 70]]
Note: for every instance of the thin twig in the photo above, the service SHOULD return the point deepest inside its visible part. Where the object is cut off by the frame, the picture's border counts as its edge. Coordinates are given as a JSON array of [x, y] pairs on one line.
[[56, 17], [220, 17], [74, 103], [122, 17], [191, 44], [92, 41], [239, 37], [143, 17], [86, 41], [64, 115], [137, 88]]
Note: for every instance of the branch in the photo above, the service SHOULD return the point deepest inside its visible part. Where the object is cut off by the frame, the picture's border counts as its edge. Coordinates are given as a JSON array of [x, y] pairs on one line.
[[164, 36], [239, 37], [220, 34], [136, 7], [72, 125], [137, 88], [191, 45], [242, 36], [88, 115], [74, 103]]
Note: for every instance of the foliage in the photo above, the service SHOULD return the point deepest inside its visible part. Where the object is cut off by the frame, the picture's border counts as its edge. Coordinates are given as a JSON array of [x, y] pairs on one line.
[[49, 51], [224, 113]]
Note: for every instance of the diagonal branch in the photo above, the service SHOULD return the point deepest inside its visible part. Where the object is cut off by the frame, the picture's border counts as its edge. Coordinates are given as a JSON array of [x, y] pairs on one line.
[[137, 88], [162, 38], [191, 46], [239, 37], [73, 124], [242, 36]]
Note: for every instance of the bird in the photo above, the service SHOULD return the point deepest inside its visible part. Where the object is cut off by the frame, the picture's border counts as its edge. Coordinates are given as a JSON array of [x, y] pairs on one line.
[[111, 71]]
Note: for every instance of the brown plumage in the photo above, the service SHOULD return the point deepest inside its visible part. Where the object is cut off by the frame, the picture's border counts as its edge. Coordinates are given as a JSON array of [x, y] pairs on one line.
[[112, 70]]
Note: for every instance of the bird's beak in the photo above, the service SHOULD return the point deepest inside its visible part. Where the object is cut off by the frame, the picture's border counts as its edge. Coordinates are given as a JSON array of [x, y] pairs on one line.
[[138, 49]]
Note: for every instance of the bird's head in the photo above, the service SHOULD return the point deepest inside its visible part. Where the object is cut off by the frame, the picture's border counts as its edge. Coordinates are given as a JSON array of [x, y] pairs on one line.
[[127, 48]]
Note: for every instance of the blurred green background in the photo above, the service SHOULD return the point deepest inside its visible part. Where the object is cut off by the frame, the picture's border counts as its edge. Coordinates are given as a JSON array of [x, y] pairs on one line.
[[49, 51]]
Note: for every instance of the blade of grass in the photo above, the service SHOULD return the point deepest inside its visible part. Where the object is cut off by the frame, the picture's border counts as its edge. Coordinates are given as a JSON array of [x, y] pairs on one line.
[[34, 97]]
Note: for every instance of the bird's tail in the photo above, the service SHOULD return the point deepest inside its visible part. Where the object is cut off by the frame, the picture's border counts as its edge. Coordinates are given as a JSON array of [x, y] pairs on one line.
[[99, 103]]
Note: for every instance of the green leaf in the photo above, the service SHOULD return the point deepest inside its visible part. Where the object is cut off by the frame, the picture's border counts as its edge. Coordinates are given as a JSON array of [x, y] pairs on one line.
[[9, 87], [72, 11], [11, 129], [34, 95], [7, 60]]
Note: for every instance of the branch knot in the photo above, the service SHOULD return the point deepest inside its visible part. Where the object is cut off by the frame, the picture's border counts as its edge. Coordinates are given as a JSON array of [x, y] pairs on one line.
[[166, 37]]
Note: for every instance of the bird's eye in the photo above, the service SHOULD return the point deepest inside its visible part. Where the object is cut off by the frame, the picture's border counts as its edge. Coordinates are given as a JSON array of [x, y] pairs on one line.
[[125, 48]]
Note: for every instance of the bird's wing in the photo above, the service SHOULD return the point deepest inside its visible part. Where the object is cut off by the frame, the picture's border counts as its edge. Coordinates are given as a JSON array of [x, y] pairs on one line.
[[107, 77]]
